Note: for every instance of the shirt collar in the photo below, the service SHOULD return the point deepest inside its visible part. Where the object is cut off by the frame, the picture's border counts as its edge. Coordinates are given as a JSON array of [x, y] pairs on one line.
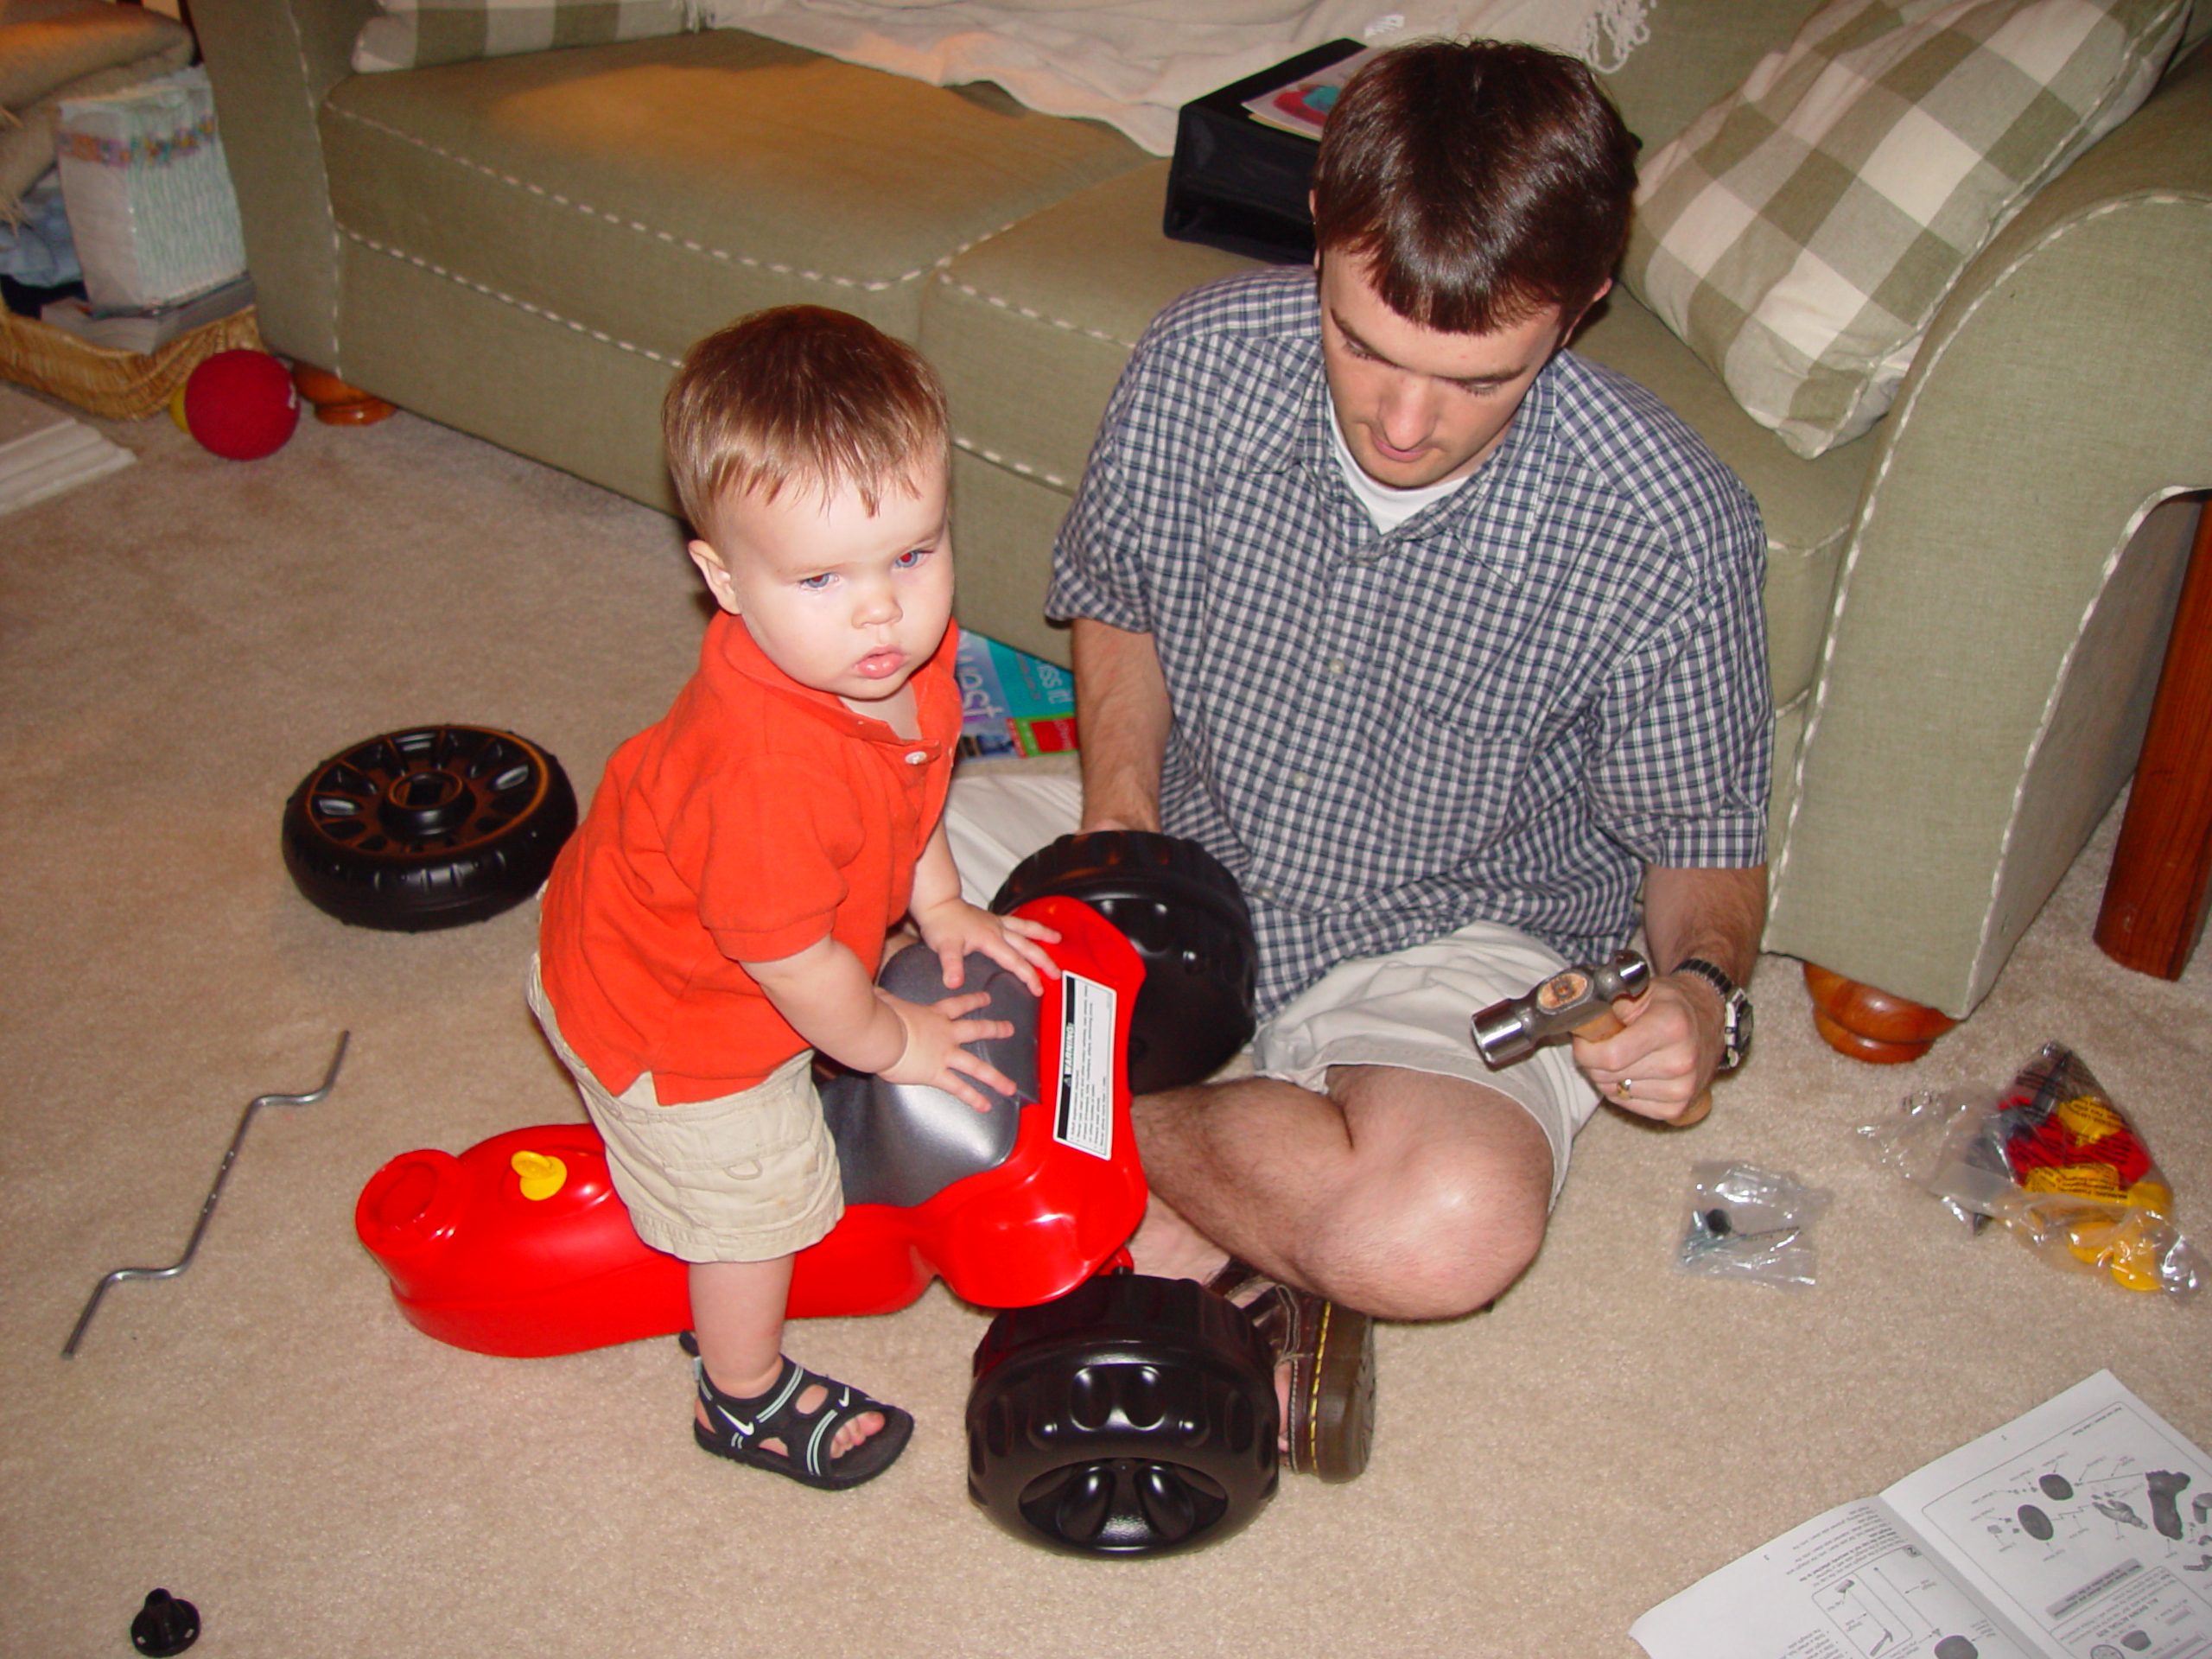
[[730, 643], [1510, 476]]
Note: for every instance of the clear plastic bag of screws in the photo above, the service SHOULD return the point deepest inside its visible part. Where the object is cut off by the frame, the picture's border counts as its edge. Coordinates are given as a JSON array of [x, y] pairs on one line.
[[2056, 1161], [1747, 1222]]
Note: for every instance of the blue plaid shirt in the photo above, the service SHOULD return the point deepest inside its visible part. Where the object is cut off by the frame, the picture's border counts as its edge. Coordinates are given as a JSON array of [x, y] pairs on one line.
[[1501, 711]]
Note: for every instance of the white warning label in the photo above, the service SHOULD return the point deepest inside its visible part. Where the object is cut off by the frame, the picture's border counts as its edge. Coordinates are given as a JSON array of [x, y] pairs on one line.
[[1082, 1105]]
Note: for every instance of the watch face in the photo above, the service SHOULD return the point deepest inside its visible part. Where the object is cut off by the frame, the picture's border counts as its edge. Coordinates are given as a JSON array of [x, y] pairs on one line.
[[1739, 1036]]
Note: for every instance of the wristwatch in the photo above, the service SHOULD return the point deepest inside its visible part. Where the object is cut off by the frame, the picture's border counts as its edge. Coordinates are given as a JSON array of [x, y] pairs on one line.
[[1735, 1011]]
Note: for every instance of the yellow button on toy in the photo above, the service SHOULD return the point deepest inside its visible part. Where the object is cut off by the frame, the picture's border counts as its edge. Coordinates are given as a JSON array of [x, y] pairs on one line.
[[541, 1173]]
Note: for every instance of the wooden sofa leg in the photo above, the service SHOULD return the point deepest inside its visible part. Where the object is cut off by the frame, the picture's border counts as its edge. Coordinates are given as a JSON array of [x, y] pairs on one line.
[[2162, 868], [1870, 1025], [336, 403]]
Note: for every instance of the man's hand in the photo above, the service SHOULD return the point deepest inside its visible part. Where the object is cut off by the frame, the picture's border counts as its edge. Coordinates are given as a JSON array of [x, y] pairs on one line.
[[953, 927], [1663, 1061], [934, 1052], [1664, 1056]]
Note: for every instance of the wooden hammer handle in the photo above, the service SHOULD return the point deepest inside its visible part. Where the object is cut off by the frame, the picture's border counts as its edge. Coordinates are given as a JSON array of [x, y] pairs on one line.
[[1604, 1024]]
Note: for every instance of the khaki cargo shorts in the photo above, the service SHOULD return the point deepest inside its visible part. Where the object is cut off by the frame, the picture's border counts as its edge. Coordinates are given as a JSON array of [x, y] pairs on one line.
[[747, 1176]]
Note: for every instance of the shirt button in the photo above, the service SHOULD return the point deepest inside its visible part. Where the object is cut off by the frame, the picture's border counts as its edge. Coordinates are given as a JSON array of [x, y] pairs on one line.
[[1335, 665], [1299, 780], [919, 757]]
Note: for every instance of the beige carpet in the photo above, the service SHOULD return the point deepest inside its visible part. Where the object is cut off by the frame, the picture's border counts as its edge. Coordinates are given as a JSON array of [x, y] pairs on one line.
[[264, 1436]]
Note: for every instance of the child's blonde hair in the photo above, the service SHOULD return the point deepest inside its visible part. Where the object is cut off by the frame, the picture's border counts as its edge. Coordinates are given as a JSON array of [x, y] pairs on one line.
[[800, 395]]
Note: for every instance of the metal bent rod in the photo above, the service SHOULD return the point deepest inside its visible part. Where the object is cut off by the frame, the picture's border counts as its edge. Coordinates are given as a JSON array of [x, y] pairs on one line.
[[207, 1208]]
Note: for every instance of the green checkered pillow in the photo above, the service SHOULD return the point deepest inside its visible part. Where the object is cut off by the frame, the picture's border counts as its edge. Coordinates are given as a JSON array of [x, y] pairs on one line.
[[1800, 234], [413, 33]]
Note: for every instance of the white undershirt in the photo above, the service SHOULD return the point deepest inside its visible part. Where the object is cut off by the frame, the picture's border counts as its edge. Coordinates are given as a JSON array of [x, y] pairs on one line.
[[1388, 508]]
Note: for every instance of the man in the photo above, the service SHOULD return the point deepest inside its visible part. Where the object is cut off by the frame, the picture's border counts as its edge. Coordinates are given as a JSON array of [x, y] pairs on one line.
[[1446, 642]]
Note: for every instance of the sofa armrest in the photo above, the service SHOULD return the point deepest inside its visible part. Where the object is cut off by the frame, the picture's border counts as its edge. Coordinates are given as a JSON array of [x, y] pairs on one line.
[[272, 62], [1991, 653]]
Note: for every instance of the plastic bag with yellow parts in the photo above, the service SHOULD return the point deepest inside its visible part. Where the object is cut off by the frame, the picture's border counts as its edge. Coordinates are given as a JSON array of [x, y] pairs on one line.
[[2054, 1160]]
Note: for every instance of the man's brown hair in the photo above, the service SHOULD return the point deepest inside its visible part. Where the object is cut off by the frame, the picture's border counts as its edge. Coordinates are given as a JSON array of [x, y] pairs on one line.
[[1479, 180], [799, 395]]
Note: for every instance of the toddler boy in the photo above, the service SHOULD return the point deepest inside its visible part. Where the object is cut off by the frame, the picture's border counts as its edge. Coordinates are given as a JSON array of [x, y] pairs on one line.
[[719, 918]]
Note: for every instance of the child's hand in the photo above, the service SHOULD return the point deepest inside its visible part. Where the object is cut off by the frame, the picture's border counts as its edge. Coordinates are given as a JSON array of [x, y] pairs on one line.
[[954, 927], [934, 1054]]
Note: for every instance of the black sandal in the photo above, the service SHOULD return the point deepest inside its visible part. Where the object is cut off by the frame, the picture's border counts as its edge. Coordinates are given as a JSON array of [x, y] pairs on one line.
[[741, 1425]]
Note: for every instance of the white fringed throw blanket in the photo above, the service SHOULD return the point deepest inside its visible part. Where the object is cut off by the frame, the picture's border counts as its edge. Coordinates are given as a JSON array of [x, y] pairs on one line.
[[1134, 63]]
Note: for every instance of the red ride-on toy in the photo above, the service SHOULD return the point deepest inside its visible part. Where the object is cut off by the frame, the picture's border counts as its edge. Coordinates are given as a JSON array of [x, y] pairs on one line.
[[1111, 1414]]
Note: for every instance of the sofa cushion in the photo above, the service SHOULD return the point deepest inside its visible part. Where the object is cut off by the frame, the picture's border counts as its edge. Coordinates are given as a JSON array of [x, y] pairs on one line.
[[1800, 234], [1056, 300], [645, 193], [414, 34], [1697, 51]]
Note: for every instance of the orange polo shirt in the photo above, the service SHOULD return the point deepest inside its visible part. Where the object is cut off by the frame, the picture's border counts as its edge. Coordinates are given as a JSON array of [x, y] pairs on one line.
[[756, 817]]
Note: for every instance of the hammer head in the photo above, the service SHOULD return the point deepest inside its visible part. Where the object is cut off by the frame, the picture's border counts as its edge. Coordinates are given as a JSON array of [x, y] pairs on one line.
[[1508, 1031]]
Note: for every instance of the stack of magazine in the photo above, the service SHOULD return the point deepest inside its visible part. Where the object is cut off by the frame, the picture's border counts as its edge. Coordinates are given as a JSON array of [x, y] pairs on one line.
[[146, 329]]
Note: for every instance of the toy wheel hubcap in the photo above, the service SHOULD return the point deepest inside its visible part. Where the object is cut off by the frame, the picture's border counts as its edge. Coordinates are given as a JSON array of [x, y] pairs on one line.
[[429, 827], [425, 805], [422, 788], [1132, 1417], [1123, 1504]]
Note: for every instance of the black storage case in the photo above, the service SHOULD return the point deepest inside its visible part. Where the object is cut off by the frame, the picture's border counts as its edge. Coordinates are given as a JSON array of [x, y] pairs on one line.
[[1240, 185]]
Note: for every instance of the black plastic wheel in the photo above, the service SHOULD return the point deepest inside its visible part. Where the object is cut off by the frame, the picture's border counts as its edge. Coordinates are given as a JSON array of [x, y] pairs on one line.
[[430, 827], [1188, 918], [1133, 1416]]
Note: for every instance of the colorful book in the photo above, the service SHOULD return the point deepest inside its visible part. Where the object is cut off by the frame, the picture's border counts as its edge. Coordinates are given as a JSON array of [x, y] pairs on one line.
[[1012, 703], [1303, 106]]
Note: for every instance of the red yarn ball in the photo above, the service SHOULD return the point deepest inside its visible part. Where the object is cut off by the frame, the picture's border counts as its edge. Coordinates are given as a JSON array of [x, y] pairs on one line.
[[241, 404]]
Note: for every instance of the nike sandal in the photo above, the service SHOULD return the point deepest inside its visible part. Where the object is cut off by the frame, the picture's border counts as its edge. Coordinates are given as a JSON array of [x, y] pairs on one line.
[[740, 1427]]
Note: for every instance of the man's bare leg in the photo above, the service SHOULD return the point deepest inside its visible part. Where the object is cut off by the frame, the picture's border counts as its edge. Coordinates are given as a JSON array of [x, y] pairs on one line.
[[1168, 1247], [1406, 1195]]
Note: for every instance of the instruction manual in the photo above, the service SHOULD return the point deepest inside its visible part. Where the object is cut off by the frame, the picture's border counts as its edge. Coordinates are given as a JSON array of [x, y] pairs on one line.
[[2082, 1530]]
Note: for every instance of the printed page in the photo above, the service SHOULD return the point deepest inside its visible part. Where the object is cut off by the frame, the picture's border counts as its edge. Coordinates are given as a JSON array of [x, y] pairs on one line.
[[2088, 1521], [1852, 1584]]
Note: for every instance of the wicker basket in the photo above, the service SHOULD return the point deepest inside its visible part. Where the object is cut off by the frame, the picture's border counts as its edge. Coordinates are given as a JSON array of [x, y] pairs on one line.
[[115, 385]]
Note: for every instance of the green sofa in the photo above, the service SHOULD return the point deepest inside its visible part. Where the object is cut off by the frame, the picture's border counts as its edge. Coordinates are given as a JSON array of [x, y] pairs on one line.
[[1966, 606]]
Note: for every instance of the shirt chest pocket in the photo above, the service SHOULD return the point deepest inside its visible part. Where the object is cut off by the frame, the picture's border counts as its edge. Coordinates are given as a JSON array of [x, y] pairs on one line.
[[1447, 787]]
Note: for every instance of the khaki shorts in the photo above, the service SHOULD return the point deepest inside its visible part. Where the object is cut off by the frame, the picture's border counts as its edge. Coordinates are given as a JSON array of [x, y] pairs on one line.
[[1410, 1009], [748, 1177]]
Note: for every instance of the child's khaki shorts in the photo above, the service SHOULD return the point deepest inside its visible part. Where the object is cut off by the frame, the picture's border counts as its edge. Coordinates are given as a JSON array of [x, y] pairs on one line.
[[747, 1176]]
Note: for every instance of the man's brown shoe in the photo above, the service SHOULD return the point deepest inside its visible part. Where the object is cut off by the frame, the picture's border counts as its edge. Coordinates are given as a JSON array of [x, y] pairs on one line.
[[1329, 1350]]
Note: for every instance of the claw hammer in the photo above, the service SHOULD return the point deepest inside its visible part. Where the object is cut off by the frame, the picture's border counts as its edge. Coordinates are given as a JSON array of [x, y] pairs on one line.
[[1578, 1000]]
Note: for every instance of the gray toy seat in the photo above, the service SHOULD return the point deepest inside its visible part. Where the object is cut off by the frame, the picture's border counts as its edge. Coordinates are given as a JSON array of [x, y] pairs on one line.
[[902, 1143]]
